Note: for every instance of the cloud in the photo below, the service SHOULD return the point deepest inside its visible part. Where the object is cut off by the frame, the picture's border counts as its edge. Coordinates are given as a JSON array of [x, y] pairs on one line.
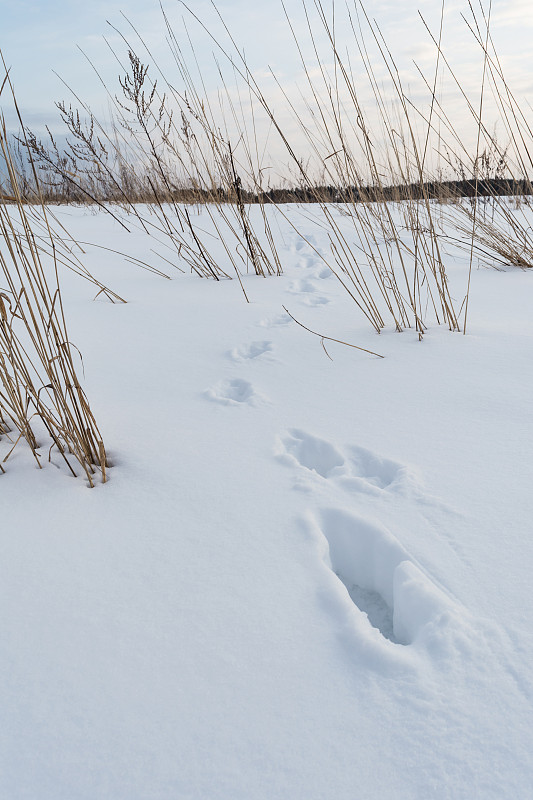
[[508, 13], [51, 31]]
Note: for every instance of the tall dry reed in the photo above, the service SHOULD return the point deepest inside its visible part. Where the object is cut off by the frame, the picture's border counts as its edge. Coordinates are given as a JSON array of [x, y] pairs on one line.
[[41, 398]]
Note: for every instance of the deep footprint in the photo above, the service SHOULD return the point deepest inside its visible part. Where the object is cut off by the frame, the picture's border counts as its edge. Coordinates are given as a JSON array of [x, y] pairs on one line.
[[364, 557], [382, 580]]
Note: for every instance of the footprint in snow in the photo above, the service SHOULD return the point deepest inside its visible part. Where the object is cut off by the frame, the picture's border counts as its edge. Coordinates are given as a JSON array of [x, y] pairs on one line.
[[310, 452], [390, 593], [251, 351], [302, 286], [358, 470], [324, 273], [316, 300], [307, 260], [235, 392], [275, 322], [307, 288], [300, 243]]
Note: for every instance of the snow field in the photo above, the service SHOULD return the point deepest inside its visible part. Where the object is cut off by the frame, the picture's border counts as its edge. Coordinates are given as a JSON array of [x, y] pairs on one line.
[[305, 578]]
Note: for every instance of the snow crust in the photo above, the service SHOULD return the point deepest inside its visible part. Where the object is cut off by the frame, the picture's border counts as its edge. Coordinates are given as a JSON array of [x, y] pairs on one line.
[[306, 578]]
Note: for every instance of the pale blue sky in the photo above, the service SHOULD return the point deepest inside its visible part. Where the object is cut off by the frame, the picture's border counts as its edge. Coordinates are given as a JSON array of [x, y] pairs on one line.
[[39, 36]]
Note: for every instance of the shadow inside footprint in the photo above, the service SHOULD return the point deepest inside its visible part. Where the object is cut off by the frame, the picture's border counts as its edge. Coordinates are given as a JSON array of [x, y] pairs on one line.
[[374, 606]]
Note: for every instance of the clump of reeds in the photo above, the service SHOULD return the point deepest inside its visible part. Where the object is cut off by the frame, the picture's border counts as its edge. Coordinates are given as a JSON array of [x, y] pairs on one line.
[[180, 147], [40, 393], [179, 140], [169, 158], [391, 270], [486, 224]]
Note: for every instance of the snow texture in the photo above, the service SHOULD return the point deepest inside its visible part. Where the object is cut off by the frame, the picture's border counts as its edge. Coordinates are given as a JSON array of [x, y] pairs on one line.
[[308, 578]]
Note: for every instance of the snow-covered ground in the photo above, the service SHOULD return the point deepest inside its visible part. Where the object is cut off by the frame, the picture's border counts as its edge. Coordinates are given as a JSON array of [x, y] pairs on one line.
[[306, 579]]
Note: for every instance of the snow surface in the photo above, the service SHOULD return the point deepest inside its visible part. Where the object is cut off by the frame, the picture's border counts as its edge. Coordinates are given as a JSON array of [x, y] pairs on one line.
[[306, 579]]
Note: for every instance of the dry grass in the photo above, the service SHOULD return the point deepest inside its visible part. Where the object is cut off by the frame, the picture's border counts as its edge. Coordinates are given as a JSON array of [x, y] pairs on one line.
[[175, 149], [40, 392]]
